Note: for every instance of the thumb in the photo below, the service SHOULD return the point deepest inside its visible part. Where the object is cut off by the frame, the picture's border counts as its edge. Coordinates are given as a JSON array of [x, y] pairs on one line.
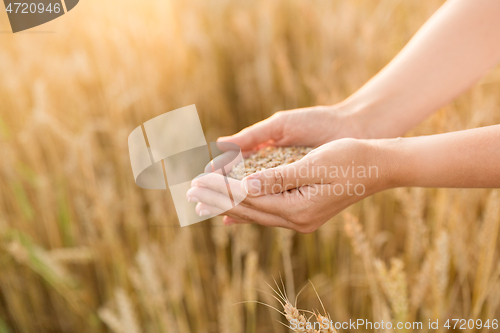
[[252, 136], [280, 179]]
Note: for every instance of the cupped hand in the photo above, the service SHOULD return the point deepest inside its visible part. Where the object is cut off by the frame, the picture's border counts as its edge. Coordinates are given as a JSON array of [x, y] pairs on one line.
[[308, 127], [302, 195]]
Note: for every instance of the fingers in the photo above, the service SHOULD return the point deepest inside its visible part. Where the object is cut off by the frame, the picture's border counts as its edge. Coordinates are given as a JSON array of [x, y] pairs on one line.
[[270, 204], [206, 210], [242, 214], [217, 182], [211, 202], [261, 132], [290, 209], [229, 220]]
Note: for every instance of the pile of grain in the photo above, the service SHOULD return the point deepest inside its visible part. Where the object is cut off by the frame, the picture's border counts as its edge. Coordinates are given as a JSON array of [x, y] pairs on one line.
[[267, 158]]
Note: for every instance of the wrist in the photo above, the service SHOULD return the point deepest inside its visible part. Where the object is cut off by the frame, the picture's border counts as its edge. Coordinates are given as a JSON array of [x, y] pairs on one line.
[[389, 156], [377, 115], [361, 116]]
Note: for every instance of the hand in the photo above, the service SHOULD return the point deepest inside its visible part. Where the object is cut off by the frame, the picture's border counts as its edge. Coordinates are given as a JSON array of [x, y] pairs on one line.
[[308, 127], [302, 195]]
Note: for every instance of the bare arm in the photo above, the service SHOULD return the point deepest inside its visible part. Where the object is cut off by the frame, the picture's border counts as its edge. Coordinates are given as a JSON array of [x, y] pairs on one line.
[[455, 48], [465, 159]]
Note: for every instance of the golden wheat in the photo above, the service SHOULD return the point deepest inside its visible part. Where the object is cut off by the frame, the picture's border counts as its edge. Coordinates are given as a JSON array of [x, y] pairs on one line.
[[83, 249]]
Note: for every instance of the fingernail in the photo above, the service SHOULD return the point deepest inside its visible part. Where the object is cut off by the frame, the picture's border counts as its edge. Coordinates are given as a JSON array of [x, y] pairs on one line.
[[193, 199], [252, 186], [204, 213]]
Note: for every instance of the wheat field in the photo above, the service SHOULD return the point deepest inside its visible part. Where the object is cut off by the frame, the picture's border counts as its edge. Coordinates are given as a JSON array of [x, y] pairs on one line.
[[83, 249]]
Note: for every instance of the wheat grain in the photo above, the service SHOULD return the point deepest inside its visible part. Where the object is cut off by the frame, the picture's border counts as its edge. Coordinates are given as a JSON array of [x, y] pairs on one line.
[[441, 265], [395, 287], [126, 311], [285, 242], [422, 282], [294, 317], [111, 320], [488, 241], [267, 158]]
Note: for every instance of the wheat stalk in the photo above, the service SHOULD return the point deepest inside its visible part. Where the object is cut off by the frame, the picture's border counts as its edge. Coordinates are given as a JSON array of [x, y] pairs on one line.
[[395, 287]]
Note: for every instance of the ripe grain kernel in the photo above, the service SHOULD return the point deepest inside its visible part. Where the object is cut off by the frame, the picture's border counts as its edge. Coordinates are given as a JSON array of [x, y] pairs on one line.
[[268, 158]]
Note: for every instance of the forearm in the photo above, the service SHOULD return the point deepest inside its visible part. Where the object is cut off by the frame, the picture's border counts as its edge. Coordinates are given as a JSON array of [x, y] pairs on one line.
[[457, 46], [464, 159]]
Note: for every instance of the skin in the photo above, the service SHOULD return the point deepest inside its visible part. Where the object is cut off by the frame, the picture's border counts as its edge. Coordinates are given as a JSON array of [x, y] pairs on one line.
[[455, 48]]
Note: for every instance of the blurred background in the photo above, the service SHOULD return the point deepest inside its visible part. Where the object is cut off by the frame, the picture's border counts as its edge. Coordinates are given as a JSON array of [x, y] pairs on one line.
[[83, 249]]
